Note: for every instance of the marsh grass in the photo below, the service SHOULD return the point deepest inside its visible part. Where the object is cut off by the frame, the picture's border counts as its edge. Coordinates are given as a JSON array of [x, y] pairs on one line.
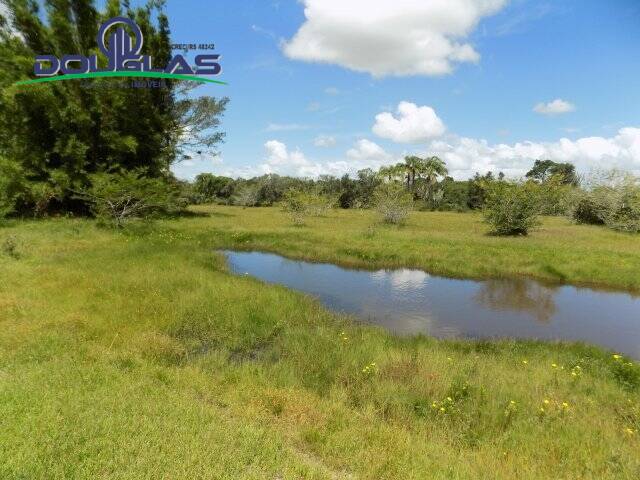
[[135, 354]]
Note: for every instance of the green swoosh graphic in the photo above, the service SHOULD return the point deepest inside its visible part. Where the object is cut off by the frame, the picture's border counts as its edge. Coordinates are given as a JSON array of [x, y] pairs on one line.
[[75, 76]]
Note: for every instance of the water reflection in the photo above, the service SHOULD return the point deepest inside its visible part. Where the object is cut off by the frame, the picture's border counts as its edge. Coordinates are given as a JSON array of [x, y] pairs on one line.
[[410, 302], [403, 280], [519, 296]]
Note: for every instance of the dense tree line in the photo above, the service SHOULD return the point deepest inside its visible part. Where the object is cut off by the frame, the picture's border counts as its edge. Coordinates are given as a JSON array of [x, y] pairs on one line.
[[427, 181], [57, 138]]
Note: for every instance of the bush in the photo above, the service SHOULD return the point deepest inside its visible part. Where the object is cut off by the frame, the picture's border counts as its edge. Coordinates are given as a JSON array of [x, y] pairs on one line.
[[246, 196], [116, 198], [554, 195], [393, 202], [296, 205], [299, 205], [612, 200], [13, 187], [512, 208]]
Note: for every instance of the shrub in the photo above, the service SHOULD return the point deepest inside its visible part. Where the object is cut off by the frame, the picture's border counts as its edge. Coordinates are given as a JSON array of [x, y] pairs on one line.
[[119, 197], [612, 200], [246, 196], [296, 204], [393, 202], [512, 208], [299, 205], [9, 247], [554, 195]]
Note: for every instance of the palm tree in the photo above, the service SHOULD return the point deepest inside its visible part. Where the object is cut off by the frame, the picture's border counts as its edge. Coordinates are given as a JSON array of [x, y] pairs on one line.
[[431, 169], [412, 165], [391, 172]]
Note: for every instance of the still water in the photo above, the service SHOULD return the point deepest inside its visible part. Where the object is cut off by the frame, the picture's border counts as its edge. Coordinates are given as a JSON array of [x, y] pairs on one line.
[[410, 302]]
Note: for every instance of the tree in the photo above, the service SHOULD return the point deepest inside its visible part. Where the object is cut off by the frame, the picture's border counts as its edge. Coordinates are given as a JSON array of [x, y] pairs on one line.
[[478, 189], [544, 170], [210, 186], [430, 170], [61, 133], [392, 173]]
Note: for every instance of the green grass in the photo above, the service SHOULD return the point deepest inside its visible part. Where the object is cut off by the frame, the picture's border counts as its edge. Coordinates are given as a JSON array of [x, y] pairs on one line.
[[450, 244], [136, 355]]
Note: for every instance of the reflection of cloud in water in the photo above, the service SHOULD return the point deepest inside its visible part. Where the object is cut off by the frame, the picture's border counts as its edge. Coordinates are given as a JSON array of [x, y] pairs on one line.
[[404, 279], [520, 296]]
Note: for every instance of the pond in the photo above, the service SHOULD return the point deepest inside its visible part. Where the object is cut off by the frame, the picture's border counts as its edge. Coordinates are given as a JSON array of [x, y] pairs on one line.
[[410, 302]]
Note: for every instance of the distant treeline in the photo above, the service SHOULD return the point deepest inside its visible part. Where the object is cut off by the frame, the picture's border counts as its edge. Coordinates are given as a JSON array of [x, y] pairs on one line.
[[426, 179]]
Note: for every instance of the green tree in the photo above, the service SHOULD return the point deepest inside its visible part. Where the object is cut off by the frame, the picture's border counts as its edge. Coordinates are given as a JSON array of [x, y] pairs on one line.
[[61, 133], [544, 170], [430, 170]]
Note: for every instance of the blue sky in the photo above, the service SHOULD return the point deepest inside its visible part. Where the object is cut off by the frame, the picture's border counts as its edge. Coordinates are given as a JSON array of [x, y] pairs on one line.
[[486, 84]]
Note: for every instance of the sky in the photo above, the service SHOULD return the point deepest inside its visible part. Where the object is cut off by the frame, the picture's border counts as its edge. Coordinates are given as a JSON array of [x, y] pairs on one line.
[[333, 86]]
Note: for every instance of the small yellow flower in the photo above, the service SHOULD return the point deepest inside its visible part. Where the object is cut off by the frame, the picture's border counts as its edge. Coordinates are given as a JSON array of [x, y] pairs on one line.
[[450, 359], [554, 365], [545, 401], [565, 405], [617, 357], [442, 409], [629, 431], [541, 410], [449, 399], [525, 361], [512, 402]]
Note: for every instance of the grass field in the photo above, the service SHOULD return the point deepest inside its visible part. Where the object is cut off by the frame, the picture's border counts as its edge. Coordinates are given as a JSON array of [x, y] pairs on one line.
[[450, 244], [135, 355]]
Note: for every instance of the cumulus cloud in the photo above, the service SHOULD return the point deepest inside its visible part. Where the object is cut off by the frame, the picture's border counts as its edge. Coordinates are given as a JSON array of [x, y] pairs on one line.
[[325, 141], [367, 150], [400, 37], [556, 107], [465, 156], [413, 124], [281, 160]]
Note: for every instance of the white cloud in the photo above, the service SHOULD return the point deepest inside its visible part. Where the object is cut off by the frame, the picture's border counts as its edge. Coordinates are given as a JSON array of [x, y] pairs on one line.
[[412, 125], [465, 156], [285, 127], [281, 160], [195, 164], [367, 150], [556, 107], [382, 37], [325, 141]]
